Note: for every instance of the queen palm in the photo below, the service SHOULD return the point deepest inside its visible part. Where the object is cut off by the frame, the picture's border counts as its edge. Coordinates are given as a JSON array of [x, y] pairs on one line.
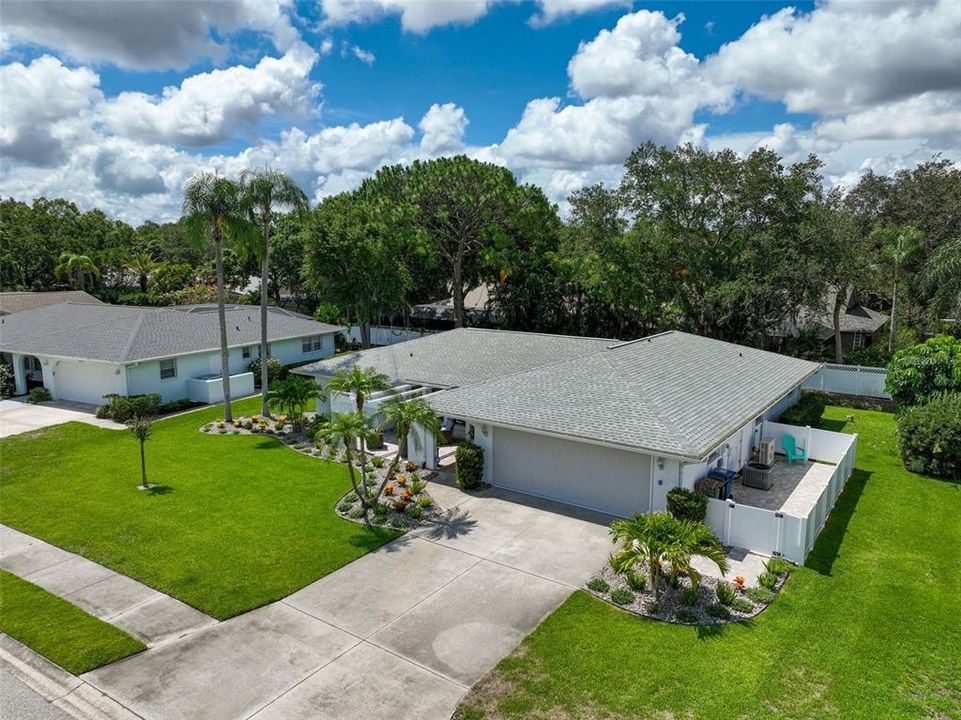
[[262, 192], [660, 539], [362, 382], [898, 248], [212, 202], [75, 268], [142, 264], [404, 414], [352, 430]]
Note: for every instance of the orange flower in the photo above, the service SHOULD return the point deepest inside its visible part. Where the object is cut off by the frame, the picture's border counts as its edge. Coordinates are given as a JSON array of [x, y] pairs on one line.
[[389, 490], [739, 582], [402, 480]]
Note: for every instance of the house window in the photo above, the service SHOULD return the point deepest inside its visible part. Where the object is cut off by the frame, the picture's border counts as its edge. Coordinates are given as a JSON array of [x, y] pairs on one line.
[[168, 369], [246, 352], [312, 344], [858, 340]]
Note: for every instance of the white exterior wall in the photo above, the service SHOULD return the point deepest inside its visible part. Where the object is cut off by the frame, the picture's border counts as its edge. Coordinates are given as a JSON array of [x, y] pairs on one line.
[[484, 437], [83, 381]]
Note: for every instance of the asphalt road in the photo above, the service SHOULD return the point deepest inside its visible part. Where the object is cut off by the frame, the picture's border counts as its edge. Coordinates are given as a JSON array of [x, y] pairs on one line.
[[19, 702]]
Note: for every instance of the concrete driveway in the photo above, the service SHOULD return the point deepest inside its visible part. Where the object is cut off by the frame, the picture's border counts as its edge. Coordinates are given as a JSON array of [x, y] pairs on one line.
[[18, 416], [400, 633]]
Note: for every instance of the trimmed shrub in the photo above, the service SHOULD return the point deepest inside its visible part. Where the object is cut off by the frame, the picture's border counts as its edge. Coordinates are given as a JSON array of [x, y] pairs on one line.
[[635, 581], [742, 605], [470, 466], [598, 585], [275, 370], [767, 580], [808, 411], [7, 384], [622, 596], [123, 409], [917, 373], [176, 406], [689, 596], [929, 438], [39, 395], [718, 611], [687, 504], [725, 593]]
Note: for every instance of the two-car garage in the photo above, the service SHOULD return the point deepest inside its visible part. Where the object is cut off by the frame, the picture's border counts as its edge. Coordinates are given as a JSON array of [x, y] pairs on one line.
[[601, 478]]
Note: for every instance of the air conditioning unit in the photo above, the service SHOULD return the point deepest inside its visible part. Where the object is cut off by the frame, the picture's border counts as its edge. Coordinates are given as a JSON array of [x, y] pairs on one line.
[[765, 453]]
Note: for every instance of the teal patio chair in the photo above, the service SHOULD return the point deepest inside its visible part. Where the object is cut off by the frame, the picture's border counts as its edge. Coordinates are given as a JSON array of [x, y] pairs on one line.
[[792, 451]]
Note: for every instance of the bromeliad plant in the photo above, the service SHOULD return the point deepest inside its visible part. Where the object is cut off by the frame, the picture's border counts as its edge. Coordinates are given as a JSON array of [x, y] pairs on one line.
[[665, 546]]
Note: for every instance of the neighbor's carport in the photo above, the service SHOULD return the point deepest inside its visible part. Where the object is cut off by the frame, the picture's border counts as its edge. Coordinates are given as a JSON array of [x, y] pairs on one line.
[[613, 481]]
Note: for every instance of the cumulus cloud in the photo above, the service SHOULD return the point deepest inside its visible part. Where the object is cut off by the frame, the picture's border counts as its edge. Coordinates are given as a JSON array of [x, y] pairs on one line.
[[144, 35], [443, 128], [552, 10], [46, 106], [210, 107]]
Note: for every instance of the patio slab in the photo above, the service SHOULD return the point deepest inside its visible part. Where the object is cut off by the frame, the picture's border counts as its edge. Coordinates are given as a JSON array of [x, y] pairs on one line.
[[464, 629], [787, 480]]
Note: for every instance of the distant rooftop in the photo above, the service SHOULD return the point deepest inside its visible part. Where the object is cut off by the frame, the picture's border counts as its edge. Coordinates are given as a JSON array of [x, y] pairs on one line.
[[14, 302], [125, 333]]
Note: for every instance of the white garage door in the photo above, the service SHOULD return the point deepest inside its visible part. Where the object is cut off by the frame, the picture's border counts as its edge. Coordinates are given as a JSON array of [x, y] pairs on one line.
[[590, 476], [85, 382]]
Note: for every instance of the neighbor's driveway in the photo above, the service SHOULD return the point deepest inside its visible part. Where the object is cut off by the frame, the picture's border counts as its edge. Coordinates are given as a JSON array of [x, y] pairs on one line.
[[400, 633], [17, 416]]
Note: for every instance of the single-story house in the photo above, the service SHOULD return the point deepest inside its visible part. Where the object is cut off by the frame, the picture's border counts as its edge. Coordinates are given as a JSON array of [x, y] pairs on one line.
[[439, 314], [83, 352], [858, 323], [14, 302], [601, 424]]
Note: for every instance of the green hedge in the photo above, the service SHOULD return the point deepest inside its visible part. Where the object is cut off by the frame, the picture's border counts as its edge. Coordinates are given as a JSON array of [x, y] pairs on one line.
[[470, 465], [121, 408], [687, 504], [930, 437], [808, 411]]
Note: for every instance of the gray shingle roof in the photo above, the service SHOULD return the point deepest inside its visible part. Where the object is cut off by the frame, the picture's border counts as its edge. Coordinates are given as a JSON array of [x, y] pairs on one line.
[[123, 333], [463, 356], [674, 394], [14, 302]]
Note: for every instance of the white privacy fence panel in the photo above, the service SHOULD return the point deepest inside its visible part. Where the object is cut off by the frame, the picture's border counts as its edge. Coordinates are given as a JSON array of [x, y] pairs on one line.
[[821, 445], [790, 534], [849, 380], [388, 335]]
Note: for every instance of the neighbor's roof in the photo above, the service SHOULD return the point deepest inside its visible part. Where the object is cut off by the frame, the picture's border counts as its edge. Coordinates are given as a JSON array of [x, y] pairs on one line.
[[124, 333], [854, 318], [462, 356], [475, 302], [14, 302], [672, 394]]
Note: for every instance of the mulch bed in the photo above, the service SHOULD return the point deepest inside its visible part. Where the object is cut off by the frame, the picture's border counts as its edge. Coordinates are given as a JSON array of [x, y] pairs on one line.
[[671, 608]]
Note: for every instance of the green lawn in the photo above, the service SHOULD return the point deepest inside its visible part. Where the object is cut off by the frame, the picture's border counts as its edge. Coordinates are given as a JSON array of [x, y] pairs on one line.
[[237, 522], [870, 628], [59, 631]]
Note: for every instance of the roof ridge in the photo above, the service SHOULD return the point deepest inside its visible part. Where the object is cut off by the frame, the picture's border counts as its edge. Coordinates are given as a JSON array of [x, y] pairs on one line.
[[540, 334], [134, 331]]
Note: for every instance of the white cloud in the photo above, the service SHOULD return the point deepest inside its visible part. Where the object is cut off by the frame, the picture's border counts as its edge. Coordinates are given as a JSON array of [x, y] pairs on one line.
[[552, 10], [210, 107], [46, 107], [144, 35], [365, 56], [416, 16], [844, 57], [443, 128]]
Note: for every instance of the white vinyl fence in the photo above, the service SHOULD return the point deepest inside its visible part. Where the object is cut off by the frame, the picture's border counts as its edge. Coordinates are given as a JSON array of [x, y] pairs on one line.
[[791, 531], [388, 335], [849, 380]]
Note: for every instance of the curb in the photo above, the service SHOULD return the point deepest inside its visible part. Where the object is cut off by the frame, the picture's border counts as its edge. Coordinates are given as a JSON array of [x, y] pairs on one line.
[[69, 693]]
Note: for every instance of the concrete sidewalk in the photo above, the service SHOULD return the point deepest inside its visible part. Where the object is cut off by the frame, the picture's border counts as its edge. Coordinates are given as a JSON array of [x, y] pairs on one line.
[[142, 611], [399, 633]]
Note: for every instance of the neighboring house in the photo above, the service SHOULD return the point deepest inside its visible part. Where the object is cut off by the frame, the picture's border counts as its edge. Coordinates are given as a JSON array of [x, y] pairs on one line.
[[14, 302], [439, 315], [858, 324], [600, 424], [82, 352]]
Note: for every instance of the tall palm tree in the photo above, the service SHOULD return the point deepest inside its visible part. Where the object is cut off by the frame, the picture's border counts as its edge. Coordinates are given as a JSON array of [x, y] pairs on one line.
[[262, 192], [660, 539], [75, 268], [212, 202], [942, 276], [404, 414], [142, 264], [898, 248], [362, 382], [352, 430]]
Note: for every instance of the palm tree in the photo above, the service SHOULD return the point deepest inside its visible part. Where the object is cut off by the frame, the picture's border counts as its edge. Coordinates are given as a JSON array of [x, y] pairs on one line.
[[292, 395], [75, 268], [140, 428], [262, 191], [142, 264], [352, 430], [942, 277], [660, 539], [404, 414], [213, 203], [362, 382], [898, 248]]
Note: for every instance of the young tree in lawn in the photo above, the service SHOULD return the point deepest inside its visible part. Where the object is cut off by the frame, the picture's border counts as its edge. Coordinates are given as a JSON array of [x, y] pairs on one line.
[[292, 395], [263, 192], [212, 203], [141, 428], [75, 267], [659, 539], [353, 431], [404, 414], [899, 248]]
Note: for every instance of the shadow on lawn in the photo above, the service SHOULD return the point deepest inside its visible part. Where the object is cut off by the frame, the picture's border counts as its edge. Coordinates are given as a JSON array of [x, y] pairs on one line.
[[712, 632], [828, 545], [159, 490], [833, 425]]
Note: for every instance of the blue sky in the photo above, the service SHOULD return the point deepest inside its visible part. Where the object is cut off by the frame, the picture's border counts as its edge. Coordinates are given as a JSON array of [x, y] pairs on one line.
[[116, 105]]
